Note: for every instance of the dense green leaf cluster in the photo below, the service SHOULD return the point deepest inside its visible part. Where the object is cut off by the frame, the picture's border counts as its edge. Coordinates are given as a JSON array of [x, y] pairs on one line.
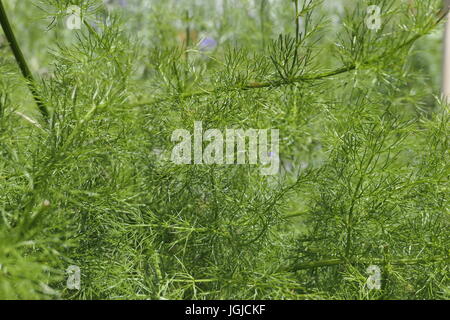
[[364, 151]]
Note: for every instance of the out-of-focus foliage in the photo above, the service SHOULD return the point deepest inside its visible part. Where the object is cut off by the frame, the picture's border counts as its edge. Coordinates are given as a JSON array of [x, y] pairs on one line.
[[364, 150]]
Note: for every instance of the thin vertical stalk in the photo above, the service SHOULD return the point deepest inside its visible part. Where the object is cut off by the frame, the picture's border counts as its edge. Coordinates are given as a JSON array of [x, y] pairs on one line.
[[262, 21], [188, 43], [188, 34], [6, 26], [297, 21]]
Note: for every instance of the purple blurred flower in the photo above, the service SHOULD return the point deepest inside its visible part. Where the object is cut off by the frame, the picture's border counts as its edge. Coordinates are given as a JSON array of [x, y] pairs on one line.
[[207, 44]]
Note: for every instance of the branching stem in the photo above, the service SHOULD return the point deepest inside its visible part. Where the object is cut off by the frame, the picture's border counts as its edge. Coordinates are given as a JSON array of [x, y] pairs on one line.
[[336, 262]]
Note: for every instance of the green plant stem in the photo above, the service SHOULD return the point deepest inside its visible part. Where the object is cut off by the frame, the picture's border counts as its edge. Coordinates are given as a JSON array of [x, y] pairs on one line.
[[21, 60], [297, 21], [336, 262], [250, 86], [188, 35], [262, 23]]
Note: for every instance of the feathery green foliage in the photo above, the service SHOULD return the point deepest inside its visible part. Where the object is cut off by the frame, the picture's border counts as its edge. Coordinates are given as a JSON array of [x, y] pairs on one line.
[[364, 151]]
